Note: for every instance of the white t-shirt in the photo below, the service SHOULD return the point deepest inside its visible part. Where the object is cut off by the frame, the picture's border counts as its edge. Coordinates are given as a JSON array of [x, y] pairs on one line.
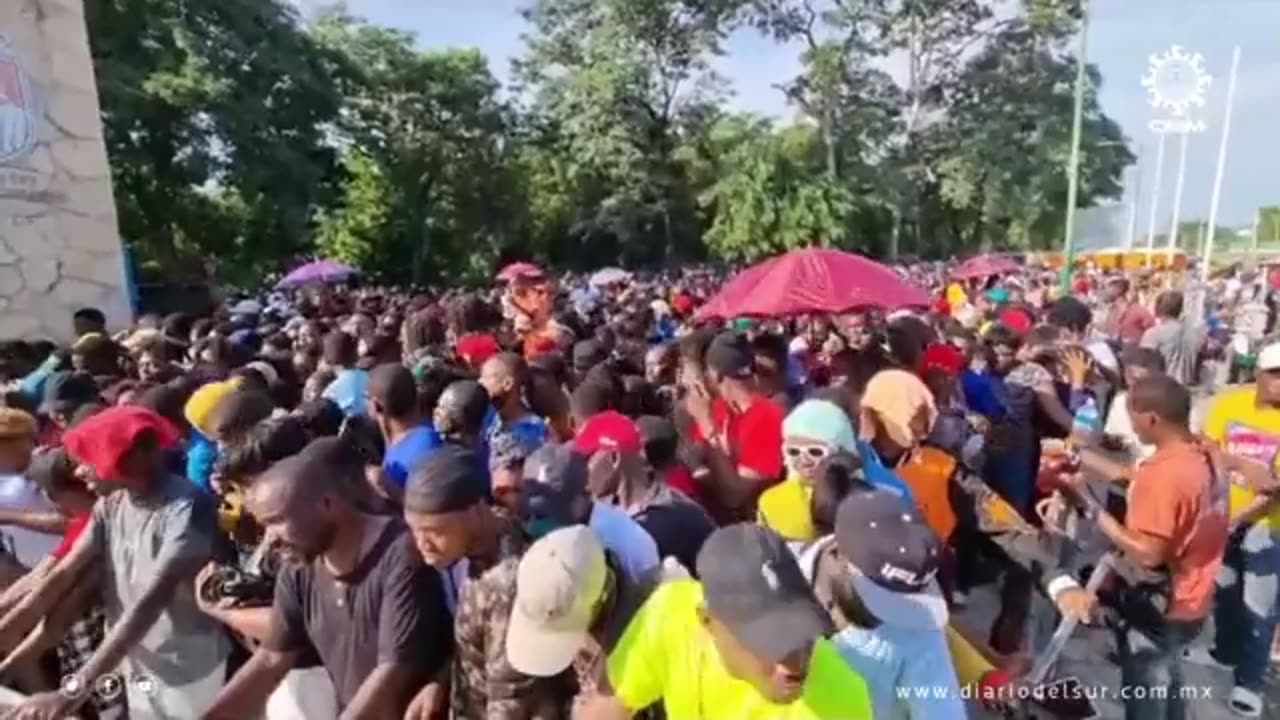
[[622, 535], [19, 493], [1120, 425]]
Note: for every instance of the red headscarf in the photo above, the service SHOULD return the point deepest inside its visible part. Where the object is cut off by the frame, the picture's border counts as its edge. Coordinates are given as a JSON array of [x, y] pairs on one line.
[[1016, 320], [476, 348], [942, 356], [103, 440]]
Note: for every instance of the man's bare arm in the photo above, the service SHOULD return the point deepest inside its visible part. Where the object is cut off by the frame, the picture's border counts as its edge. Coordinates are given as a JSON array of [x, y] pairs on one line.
[[383, 694], [1149, 550], [20, 619], [247, 692], [136, 620], [50, 523], [25, 584], [253, 623], [1104, 465], [46, 636]]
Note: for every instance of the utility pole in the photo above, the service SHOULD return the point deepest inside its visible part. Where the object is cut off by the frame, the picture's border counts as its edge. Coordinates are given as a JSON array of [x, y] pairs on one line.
[[1073, 169], [1177, 194], [1155, 199]]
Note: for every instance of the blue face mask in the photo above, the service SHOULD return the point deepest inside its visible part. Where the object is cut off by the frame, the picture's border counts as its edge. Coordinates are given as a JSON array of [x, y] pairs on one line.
[[538, 527]]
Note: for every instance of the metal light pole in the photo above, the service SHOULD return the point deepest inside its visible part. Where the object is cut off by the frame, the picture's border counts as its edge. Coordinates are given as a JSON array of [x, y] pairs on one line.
[[1132, 232], [1177, 195], [1073, 169], [1155, 199], [1222, 167]]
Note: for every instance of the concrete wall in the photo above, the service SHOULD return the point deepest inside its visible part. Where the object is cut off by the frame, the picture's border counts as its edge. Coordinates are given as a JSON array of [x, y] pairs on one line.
[[59, 244]]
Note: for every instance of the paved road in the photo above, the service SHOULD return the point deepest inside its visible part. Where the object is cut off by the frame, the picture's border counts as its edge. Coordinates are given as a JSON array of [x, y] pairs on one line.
[[1086, 657]]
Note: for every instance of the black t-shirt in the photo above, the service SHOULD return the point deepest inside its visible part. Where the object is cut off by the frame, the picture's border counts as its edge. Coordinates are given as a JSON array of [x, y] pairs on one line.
[[678, 525], [390, 609]]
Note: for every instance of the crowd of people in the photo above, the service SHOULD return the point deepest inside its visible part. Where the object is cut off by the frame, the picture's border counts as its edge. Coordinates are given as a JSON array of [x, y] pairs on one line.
[[369, 503]]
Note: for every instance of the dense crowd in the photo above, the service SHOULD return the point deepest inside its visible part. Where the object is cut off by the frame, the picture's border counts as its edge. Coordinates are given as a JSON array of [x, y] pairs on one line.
[[369, 503]]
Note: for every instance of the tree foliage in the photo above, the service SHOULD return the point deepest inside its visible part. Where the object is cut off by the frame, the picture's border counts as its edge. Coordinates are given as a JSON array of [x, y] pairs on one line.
[[244, 137]]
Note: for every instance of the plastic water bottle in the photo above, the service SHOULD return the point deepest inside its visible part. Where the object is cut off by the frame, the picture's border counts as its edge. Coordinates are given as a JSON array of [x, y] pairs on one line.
[[1086, 426]]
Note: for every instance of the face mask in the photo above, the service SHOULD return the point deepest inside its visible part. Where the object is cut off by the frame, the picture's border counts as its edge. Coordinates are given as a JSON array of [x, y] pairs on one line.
[[538, 527]]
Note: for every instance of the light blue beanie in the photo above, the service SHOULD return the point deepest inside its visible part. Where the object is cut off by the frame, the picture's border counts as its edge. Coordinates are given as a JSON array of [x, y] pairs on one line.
[[821, 420]]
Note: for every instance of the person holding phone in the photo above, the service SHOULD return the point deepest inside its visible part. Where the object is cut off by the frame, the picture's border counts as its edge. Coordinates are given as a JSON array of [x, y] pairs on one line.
[[1176, 531], [739, 428]]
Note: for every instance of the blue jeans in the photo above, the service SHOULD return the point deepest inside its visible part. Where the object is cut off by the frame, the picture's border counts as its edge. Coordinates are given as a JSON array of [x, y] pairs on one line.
[[1151, 666], [1246, 602]]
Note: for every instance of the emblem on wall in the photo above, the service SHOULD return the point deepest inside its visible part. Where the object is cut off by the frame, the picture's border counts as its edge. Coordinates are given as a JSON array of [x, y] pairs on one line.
[[17, 108]]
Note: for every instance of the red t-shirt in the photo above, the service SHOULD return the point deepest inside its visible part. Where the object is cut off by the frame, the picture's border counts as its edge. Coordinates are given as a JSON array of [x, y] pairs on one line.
[[754, 435], [678, 476], [75, 525], [1133, 321]]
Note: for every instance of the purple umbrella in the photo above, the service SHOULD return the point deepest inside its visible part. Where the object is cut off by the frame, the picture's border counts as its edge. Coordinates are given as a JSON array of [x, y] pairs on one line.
[[318, 271]]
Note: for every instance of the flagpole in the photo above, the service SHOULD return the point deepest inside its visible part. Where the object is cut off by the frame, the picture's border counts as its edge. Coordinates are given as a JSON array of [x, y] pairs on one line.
[[1073, 166], [1257, 220], [1155, 198], [1216, 198], [1133, 201], [1177, 194]]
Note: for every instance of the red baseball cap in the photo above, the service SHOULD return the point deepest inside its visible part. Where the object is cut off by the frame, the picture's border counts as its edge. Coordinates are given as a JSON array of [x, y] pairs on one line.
[[1016, 320], [609, 430], [944, 357], [475, 348]]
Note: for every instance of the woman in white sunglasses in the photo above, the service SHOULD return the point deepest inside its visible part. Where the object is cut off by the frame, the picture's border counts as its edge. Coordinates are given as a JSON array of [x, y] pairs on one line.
[[813, 431]]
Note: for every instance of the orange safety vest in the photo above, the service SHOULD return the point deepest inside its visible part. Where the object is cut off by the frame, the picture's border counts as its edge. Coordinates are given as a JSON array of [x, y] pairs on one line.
[[928, 473]]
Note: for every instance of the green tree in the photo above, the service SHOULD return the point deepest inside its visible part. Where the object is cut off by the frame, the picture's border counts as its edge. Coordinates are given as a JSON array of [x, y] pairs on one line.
[[966, 148], [1269, 226], [430, 187], [770, 192], [1000, 157], [615, 86], [215, 116]]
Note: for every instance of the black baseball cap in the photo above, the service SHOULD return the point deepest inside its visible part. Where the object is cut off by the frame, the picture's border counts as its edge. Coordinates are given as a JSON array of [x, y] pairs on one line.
[[729, 355], [753, 586], [894, 558], [66, 391], [449, 480], [555, 482]]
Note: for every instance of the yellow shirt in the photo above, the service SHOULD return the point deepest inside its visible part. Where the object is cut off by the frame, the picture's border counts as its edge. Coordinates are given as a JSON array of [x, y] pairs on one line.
[[785, 508], [956, 296], [666, 654], [1247, 431]]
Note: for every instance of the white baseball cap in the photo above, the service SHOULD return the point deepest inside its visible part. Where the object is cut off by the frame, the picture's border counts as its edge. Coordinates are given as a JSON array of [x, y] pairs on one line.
[[558, 587], [1269, 358]]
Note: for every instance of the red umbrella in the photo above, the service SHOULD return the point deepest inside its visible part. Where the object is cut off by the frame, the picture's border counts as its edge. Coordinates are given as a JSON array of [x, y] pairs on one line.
[[519, 270], [984, 266], [816, 280]]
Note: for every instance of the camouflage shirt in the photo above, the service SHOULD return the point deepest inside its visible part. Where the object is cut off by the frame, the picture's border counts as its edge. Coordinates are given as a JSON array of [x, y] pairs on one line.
[[485, 686]]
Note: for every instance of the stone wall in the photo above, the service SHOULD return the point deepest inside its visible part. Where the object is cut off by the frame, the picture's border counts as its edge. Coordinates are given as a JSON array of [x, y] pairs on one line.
[[59, 243]]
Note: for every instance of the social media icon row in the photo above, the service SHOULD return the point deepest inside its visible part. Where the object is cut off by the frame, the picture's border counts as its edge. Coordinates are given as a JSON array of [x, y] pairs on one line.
[[107, 687]]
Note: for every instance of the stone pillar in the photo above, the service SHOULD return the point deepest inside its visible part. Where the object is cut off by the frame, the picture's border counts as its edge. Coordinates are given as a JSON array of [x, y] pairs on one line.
[[60, 247]]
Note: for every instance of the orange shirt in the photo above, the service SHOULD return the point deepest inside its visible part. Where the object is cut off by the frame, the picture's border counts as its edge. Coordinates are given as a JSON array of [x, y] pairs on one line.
[[1175, 495]]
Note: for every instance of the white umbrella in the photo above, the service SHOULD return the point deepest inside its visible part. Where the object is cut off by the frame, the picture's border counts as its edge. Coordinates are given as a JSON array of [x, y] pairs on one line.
[[610, 276]]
